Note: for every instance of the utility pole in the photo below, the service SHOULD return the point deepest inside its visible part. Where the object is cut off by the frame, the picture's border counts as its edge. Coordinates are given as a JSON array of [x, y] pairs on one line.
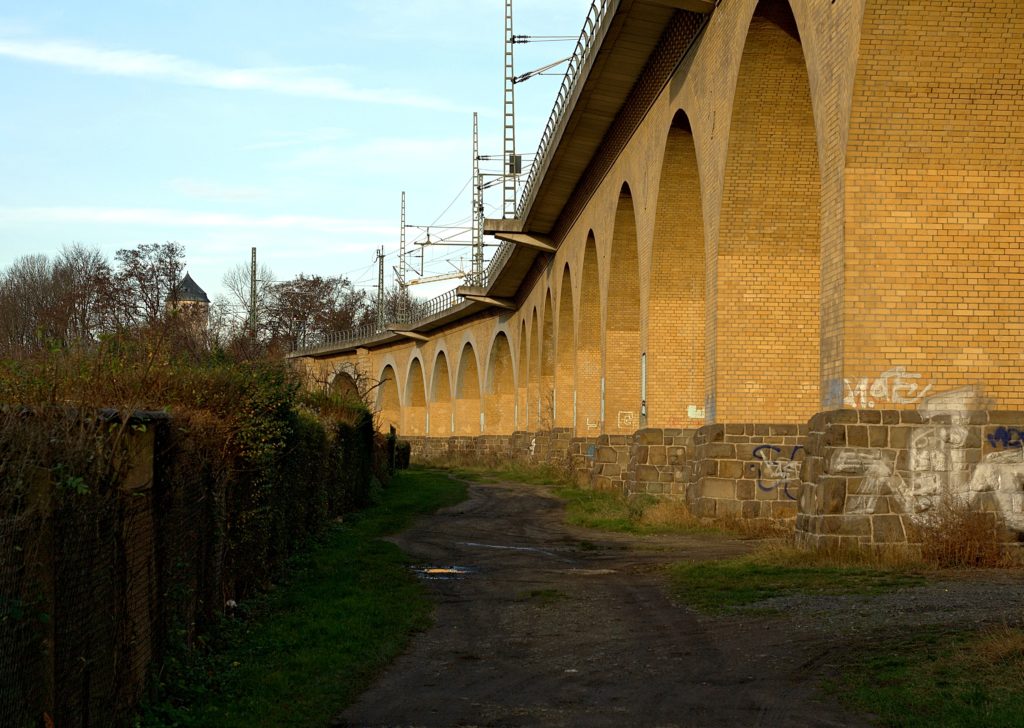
[[477, 274], [252, 297], [513, 163]]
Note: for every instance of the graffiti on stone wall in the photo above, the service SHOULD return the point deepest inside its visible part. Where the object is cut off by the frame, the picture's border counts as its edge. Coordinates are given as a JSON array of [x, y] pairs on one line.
[[776, 470], [627, 420], [939, 465], [894, 386], [880, 477], [1006, 437]]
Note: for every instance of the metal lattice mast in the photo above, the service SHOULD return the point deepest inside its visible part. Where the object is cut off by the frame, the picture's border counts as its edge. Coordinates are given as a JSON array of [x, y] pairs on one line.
[[252, 295], [511, 161], [380, 289], [402, 285], [478, 210]]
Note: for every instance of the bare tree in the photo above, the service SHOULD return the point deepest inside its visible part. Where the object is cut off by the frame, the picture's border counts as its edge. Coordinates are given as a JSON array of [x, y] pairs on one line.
[[146, 280], [308, 307]]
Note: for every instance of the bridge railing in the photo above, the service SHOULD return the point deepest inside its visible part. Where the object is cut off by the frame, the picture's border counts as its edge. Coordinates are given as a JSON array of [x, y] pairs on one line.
[[439, 304], [417, 311], [579, 58]]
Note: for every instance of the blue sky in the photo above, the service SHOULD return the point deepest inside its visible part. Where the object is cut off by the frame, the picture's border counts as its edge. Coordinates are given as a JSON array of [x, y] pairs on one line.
[[293, 126]]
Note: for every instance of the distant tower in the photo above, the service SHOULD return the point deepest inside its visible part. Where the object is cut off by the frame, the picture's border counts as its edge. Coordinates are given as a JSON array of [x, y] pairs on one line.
[[191, 301]]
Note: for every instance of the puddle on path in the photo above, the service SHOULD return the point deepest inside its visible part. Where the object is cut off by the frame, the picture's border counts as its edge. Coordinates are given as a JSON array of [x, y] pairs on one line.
[[442, 572]]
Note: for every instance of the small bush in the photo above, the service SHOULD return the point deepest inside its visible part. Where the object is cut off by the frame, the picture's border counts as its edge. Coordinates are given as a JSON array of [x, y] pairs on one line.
[[955, 536]]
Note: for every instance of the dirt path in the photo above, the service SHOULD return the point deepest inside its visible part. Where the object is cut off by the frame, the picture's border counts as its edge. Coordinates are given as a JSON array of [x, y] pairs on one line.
[[558, 626]]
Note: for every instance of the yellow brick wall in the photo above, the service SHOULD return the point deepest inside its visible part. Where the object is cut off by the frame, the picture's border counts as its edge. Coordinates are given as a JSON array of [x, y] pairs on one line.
[[622, 331], [467, 393], [415, 409], [859, 198], [440, 406], [565, 364], [588, 350], [768, 250], [935, 199], [499, 390], [675, 310], [389, 406]]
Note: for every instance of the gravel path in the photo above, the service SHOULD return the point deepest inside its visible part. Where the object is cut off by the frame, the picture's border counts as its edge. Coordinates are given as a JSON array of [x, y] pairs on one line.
[[543, 624]]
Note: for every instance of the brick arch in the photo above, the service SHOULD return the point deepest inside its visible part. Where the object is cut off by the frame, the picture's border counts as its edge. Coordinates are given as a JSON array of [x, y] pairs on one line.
[[389, 403], [766, 352], [935, 199], [622, 323], [467, 393], [546, 404], [533, 364], [499, 388], [441, 413], [415, 399], [565, 359], [589, 409], [675, 307], [343, 385], [522, 399]]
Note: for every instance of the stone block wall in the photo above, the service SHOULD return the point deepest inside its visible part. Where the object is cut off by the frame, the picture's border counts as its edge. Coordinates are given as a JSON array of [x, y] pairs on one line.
[[661, 462], [747, 471], [611, 462], [875, 477]]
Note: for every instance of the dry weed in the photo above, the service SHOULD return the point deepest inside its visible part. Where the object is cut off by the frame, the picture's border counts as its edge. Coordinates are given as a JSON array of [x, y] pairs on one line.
[[955, 536], [668, 514]]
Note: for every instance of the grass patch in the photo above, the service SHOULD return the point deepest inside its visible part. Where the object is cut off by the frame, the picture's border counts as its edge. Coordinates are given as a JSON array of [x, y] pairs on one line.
[[933, 677], [714, 586], [306, 650], [541, 474], [638, 514]]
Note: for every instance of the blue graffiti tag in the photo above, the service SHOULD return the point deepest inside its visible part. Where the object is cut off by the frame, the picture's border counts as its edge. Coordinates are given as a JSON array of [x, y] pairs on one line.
[[777, 471], [1006, 437]]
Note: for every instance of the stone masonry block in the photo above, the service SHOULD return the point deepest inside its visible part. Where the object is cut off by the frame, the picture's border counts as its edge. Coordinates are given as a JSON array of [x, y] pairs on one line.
[[647, 474], [721, 450], [857, 436], [725, 508], [651, 437], [730, 469], [718, 488], [887, 529], [831, 496]]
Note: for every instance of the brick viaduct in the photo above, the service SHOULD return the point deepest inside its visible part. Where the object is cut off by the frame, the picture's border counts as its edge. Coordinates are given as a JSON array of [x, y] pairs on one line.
[[769, 261]]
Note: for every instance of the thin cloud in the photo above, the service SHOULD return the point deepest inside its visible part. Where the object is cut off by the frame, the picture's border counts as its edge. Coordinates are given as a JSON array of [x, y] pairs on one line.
[[205, 190], [182, 218], [166, 67]]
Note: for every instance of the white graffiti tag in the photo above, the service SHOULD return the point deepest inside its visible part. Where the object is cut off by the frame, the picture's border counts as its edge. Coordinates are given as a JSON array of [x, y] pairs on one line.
[[895, 386]]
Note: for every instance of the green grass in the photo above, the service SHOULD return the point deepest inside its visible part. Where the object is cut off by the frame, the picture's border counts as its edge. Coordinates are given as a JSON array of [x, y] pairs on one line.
[[937, 677], [714, 586], [542, 474], [308, 648], [601, 510], [639, 514]]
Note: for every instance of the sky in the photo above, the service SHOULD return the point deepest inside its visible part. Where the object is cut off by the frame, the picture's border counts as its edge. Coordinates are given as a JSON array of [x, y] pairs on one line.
[[292, 127]]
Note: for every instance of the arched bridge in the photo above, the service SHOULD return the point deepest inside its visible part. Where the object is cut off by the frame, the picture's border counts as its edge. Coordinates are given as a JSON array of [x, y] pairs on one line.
[[752, 224]]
